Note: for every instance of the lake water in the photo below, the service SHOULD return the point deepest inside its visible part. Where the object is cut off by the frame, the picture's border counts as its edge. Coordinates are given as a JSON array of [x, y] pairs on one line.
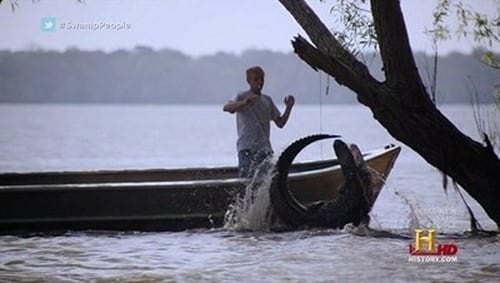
[[76, 137]]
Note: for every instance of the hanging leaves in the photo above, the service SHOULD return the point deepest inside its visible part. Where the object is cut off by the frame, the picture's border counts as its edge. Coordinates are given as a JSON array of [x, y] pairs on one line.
[[354, 26], [482, 28]]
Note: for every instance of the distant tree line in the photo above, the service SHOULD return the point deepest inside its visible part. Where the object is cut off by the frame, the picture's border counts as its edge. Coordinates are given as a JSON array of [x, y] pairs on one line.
[[144, 75]]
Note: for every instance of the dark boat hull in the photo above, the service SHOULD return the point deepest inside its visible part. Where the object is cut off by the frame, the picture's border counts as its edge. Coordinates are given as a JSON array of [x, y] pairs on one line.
[[148, 200]]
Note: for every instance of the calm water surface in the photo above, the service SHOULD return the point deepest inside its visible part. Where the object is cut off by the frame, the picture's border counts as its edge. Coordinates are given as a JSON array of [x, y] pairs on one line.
[[70, 137]]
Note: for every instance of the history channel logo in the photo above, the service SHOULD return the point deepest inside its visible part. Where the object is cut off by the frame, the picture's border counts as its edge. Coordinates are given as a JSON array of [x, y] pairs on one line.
[[434, 252]]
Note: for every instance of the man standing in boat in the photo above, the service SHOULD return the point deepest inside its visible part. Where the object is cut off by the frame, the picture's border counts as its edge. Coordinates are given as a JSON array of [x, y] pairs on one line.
[[254, 112]]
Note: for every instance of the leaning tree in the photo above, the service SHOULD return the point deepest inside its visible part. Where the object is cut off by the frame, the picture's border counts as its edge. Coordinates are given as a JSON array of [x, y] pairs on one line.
[[401, 103]]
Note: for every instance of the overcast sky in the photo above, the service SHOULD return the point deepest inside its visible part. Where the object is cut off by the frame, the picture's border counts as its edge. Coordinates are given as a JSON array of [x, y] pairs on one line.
[[195, 27]]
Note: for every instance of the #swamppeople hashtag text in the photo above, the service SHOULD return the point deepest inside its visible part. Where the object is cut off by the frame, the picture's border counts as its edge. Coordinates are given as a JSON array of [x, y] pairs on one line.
[[95, 26]]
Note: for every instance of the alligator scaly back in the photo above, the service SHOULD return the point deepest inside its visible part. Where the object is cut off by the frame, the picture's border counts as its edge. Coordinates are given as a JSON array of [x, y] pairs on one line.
[[287, 207], [353, 203]]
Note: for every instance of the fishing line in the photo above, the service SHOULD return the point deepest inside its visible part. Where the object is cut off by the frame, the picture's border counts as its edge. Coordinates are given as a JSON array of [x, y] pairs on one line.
[[320, 113], [327, 91]]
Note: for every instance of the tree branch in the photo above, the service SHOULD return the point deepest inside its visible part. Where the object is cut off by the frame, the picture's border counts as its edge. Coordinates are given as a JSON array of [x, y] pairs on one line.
[[317, 31], [347, 70], [317, 60], [397, 56], [402, 104]]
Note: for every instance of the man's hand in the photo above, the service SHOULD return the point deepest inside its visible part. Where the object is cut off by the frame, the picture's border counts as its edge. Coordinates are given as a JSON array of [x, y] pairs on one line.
[[235, 106], [289, 101], [250, 98]]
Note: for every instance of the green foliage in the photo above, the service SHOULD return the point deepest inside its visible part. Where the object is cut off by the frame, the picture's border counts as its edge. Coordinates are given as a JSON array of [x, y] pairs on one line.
[[355, 30], [484, 29], [354, 25], [490, 59]]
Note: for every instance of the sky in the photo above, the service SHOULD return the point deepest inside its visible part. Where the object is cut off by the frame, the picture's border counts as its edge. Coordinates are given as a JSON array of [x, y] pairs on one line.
[[195, 27]]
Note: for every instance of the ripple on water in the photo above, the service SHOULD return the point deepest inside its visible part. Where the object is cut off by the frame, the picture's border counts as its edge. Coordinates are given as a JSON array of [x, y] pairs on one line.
[[228, 256]]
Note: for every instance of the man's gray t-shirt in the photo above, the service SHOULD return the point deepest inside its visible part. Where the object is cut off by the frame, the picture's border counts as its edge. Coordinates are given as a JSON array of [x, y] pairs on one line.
[[252, 122]]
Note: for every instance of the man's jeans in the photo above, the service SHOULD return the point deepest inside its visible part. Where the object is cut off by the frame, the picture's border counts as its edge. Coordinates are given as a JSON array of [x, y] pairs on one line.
[[249, 161]]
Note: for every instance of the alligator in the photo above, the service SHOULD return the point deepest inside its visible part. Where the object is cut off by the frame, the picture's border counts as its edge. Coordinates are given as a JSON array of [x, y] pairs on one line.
[[355, 198]]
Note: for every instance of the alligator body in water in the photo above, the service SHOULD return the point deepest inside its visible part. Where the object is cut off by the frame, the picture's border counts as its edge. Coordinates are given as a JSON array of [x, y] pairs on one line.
[[355, 195]]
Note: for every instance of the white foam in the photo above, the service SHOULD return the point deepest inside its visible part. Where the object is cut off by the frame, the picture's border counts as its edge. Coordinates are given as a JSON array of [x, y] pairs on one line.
[[253, 211]]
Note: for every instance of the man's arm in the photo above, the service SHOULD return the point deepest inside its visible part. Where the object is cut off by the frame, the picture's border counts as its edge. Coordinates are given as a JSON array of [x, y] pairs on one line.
[[280, 121], [234, 106]]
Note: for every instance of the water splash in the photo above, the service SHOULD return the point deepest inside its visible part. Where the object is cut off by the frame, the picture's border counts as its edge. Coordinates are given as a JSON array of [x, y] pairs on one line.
[[416, 213], [414, 219], [252, 211]]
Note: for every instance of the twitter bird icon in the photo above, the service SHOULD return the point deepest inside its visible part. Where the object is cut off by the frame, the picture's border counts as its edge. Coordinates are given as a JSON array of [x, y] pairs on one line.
[[48, 24]]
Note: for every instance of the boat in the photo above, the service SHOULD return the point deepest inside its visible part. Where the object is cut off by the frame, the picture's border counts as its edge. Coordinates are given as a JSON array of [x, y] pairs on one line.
[[154, 199]]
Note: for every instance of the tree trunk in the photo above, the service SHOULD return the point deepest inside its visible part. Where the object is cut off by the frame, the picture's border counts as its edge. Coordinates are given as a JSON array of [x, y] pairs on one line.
[[401, 103]]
